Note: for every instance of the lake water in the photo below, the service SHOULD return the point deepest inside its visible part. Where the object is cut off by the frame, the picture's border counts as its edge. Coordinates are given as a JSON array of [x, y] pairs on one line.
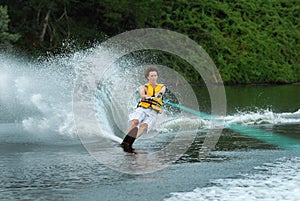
[[42, 157]]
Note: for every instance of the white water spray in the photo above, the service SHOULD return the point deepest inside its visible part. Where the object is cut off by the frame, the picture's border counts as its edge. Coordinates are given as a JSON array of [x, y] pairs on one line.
[[38, 97]]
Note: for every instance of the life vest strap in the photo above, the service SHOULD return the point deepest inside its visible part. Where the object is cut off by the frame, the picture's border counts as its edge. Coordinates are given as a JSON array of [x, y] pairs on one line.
[[151, 102]]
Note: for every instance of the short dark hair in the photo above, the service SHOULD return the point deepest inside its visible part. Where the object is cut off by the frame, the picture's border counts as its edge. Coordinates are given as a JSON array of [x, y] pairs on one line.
[[150, 69]]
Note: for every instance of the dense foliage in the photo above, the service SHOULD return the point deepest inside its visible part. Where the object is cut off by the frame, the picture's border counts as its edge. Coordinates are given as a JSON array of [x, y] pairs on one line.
[[6, 38], [250, 41]]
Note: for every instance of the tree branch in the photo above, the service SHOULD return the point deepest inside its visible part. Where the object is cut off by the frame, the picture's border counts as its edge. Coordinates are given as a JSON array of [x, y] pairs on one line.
[[45, 25]]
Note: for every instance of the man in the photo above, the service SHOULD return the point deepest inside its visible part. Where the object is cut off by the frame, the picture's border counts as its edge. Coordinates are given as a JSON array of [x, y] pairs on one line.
[[145, 115]]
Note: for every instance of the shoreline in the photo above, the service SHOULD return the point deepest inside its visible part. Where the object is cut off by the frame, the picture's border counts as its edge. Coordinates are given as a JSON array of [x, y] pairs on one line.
[[245, 84]]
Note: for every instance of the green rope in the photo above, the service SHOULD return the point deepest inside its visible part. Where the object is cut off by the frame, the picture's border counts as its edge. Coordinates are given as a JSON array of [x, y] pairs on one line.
[[268, 137]]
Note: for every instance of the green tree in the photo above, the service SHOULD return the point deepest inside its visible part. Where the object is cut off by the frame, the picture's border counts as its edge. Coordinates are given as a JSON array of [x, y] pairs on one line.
[[6, 38], [250, 41], [46, 25]]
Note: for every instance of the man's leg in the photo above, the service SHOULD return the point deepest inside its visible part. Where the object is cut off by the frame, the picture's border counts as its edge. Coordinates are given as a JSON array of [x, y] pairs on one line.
[[130, 136], [143, 128], [134, 123]]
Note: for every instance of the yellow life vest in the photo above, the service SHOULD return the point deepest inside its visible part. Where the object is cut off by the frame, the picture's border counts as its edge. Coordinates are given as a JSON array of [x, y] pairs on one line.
[[154, 103]]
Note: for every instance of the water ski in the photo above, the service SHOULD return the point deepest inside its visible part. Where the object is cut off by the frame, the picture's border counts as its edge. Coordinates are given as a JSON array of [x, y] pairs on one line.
[[129, 140]]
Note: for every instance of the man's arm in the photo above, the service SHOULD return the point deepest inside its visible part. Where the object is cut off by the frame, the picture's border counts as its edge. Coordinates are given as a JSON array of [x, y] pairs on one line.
[[162, 91], [143, 92]]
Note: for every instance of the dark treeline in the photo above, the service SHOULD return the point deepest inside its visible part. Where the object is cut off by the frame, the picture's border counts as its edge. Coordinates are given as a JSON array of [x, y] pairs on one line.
[[249, 41]]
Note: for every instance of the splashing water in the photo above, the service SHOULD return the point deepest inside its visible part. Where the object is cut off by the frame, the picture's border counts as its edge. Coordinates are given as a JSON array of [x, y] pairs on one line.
[[37, 96]]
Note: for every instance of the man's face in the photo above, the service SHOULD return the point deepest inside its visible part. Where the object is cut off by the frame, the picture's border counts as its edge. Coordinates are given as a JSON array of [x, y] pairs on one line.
[[152, 77]]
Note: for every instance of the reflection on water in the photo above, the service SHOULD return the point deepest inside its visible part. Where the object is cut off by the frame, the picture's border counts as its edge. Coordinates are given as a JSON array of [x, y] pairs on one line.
[[277, 98], [29, 170]]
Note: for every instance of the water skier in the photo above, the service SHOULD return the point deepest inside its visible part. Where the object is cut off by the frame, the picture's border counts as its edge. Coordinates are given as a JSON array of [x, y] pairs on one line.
[[144, 117]]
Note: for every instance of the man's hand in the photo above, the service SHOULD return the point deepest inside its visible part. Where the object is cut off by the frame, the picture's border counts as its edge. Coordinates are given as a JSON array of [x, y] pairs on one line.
[[159, 95]]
